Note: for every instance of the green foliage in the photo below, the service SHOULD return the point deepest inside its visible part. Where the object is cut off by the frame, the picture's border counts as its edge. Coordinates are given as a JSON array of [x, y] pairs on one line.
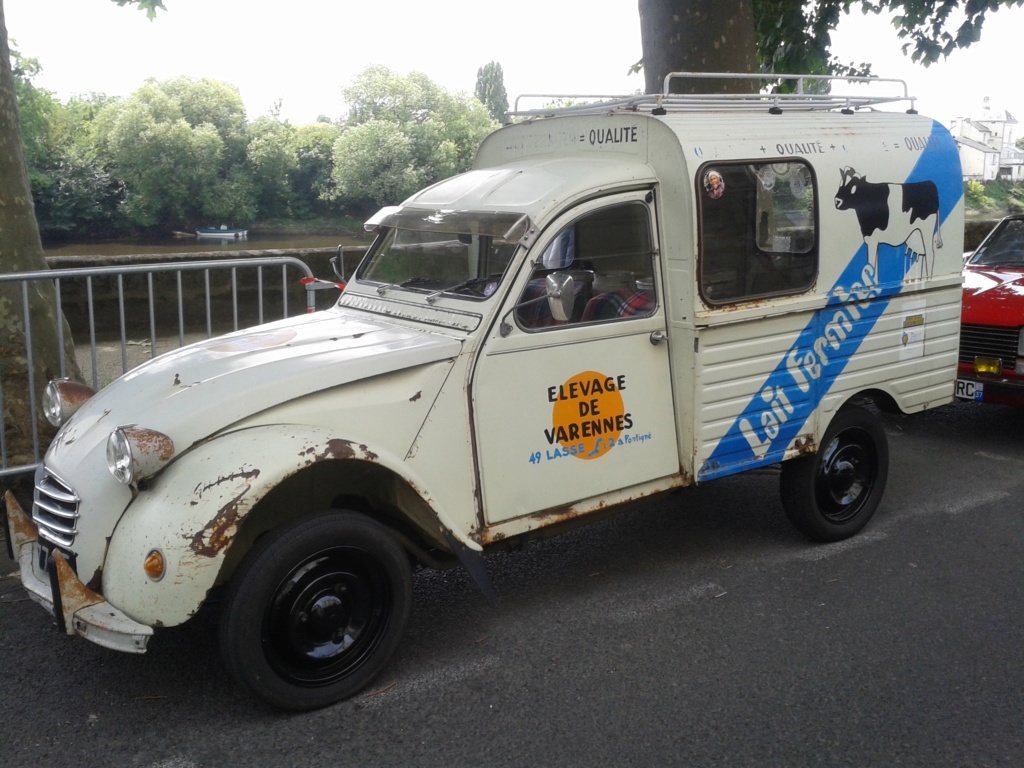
[[490, 90], [180, 154], [402, 134], [993, 198], [74, 196], [375, 162], [795, 36], [180, 148], [974, 192], [71, 190], [36, 108], [313, 149], [149, 6], [273, 163]]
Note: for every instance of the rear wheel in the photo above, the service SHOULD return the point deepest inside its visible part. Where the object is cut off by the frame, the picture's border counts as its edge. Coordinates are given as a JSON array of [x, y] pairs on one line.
[[316, 610], [831, 495]]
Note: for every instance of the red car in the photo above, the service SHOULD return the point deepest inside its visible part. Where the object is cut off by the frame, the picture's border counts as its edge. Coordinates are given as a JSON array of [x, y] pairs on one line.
[[991, 368]]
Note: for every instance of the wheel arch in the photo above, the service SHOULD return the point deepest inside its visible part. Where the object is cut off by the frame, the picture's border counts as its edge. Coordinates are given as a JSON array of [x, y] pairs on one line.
[[360, 484], [879, 399], [220, 505]]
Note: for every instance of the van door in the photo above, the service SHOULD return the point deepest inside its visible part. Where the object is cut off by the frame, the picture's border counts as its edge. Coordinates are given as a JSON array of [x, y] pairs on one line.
[[567, 410]]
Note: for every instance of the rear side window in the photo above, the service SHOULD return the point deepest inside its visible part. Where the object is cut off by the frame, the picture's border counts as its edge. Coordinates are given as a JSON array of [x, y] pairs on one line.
[[758, 230]]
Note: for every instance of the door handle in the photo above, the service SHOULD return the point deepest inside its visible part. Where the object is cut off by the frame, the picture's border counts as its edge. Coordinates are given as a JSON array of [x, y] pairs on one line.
[[658, 336]]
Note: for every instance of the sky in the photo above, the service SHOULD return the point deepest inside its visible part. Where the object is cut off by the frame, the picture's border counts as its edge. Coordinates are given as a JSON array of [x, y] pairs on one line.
[[302, 53]]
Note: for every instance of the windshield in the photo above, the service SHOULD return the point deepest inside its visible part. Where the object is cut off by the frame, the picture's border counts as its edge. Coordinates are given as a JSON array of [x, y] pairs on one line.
[[442, 252], [1004, 247]]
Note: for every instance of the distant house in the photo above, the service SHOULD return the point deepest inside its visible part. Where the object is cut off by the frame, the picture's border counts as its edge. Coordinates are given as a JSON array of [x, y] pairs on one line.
[[987, 145]]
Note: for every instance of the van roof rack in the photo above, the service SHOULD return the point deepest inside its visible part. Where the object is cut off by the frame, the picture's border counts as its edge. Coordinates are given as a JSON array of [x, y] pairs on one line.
[[810, 93]]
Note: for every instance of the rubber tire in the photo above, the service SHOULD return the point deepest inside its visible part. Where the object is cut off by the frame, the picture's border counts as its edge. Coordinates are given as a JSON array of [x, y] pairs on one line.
[[347, 572], [832, 495]]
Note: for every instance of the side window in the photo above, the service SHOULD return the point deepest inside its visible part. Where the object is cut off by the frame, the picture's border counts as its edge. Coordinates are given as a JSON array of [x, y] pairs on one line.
[[611, 260], [758, 230]]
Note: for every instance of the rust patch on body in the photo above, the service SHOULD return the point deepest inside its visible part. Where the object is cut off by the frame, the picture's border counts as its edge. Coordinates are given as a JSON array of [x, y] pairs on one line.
[[151, 444], [336, 448], [340, 449], [74, 595], [73, 393], [23, 530], [805, 445], [215, 537]]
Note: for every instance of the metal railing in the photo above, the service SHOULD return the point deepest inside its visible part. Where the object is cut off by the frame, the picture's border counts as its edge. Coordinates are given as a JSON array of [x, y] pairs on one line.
[[109, 305]]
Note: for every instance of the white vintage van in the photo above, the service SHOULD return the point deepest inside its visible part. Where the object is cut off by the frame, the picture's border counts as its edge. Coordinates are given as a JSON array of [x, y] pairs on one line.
[[619, 300]]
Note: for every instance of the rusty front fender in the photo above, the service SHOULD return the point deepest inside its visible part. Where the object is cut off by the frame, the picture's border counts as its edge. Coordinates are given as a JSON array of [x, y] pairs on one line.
[[192, 513]]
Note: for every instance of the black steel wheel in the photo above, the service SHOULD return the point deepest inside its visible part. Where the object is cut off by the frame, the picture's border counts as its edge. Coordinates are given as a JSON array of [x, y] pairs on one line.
[[833, 494], [316, 610]]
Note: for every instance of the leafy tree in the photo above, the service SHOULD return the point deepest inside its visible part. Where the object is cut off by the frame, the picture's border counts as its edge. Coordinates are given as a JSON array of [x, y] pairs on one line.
[[36, 108], [181, 148], [73, 196], [71, 190], [490, 90], [792, 36], [210, 102], [311, 186], [375, 162], [273, 164], [401, 134]]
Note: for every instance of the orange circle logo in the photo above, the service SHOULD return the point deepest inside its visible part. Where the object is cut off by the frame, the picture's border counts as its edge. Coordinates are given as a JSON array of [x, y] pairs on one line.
[[588, 414]]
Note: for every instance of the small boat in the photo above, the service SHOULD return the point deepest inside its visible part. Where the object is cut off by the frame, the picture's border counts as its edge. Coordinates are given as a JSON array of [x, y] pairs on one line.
[[222, 233]]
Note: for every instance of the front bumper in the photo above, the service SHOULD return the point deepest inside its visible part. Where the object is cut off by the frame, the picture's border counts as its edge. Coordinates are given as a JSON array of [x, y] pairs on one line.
[[51, 582], [998, 390]]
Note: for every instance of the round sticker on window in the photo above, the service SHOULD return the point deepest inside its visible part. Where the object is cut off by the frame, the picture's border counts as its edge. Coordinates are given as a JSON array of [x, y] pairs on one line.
[[714, 184]]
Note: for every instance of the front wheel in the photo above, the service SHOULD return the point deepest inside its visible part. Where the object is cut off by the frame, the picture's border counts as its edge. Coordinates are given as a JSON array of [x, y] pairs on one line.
[[316, 610], [831, 495]]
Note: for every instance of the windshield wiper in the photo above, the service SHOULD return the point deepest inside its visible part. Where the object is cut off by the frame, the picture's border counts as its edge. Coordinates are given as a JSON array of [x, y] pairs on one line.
[[416, 281], [412, 281], [432, 297]]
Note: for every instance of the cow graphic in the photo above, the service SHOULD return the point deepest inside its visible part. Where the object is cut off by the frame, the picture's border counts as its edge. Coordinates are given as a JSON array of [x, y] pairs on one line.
[[894, 214]]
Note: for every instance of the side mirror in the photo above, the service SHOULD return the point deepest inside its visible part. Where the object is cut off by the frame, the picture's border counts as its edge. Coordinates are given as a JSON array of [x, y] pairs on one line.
[[338, 263], [558, 287], [559, 293]]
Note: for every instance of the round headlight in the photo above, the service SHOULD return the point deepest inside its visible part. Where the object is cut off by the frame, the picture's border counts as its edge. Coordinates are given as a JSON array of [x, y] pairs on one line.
[[119, 457], [135, 453], [62, 398], [52, 406]]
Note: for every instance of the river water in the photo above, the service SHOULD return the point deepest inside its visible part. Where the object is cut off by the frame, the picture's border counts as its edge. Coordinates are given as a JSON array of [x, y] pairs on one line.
[[254, 242]]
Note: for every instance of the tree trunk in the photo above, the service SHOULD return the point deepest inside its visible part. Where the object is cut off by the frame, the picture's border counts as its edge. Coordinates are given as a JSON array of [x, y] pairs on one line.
[[22, 250], [697, 36]]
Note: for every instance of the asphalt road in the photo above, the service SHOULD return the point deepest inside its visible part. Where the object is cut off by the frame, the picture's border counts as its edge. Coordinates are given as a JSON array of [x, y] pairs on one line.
[[700, 630]]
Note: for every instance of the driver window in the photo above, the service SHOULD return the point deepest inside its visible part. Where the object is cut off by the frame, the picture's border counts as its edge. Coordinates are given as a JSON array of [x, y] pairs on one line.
[[608, 253]]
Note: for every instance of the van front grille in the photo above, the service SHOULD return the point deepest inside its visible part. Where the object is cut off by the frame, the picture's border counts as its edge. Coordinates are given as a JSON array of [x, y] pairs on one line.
[[55, 510]]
